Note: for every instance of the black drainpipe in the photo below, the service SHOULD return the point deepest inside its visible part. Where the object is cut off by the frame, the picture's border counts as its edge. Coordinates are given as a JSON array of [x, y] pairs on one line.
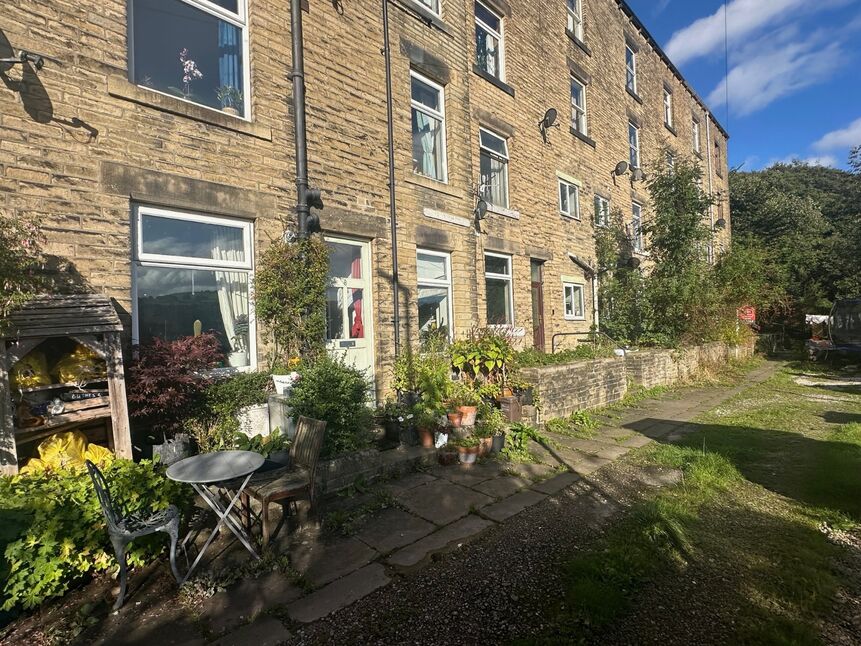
[[298, 78], [393, 217]]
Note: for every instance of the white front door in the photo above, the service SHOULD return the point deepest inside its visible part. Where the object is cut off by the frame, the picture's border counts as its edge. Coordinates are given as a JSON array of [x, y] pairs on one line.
[[349, 312]]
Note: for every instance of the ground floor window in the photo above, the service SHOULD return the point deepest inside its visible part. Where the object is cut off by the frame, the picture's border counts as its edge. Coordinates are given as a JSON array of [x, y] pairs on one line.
[[190, 268], [572, 294], [498, 289], [434, 293]]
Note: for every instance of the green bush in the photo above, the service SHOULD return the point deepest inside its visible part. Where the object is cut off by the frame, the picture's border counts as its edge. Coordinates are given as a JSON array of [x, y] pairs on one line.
[[331, 390], [532, 358], [55, 532]]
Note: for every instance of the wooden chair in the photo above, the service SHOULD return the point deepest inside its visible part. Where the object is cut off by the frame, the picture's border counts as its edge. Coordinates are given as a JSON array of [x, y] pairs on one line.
[[290, 483]]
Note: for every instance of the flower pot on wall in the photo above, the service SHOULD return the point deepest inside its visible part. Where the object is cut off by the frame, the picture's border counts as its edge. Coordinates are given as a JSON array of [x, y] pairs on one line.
[[455, 419], [237, 359], [468, 415], [230, 110]]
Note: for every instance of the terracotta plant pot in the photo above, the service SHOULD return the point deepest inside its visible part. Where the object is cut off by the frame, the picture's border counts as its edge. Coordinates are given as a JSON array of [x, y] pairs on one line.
[[426, 437], [455, 419], [467, 454], [447, 457], [485, 446], [468, 414]]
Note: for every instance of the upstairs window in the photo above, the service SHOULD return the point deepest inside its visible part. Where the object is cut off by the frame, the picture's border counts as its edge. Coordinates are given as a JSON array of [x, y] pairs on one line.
[[493, 167], [489, 52], [428, 117], [718, 160], [432, 5], [575, 18], [630, 69], [668, 108], [569, 199], [191, 49], [602, 211], [637, 227], [634, 144], [695, 135], [578, 106]]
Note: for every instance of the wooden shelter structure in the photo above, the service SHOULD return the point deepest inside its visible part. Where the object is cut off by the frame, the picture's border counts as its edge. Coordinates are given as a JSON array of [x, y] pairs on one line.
[[57, 325]]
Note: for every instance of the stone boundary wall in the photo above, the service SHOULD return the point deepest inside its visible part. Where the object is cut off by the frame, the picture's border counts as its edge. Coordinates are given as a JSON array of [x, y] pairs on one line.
[[592, 384]]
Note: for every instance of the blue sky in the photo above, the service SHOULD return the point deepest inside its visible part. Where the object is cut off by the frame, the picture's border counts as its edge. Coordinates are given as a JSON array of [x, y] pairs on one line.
[[794, 80]]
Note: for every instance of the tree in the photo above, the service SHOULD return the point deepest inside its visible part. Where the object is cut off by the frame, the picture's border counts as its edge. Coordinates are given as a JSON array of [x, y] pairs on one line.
[[21, 261]]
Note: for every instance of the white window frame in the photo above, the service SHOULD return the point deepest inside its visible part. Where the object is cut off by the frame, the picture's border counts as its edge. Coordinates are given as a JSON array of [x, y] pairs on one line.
[[423, 4], [631, 70], [575, 18], [493, 153], [499, 35], [573, 198], [668, 108], [637, 241], [634, 149], [239, 20], [447, 284], [602, 208], [142, 259], [421, 107], [579, 110], [671, 160], [575, 288], [509, 279], [695, 133]]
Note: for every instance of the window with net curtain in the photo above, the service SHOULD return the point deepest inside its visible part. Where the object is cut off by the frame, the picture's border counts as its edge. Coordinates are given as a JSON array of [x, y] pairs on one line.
[[498, 289], [428, 127], [192, 267], [488, 41], [493, 168], [434, 293], [191, 49]]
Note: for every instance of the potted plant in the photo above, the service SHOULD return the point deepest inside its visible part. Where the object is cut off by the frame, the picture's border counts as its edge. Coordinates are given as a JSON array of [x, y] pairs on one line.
[[238, 357], [391, 416], [467, 449], [448, 455], [230, 99], [491, 425], [485, 439], [427, 422]]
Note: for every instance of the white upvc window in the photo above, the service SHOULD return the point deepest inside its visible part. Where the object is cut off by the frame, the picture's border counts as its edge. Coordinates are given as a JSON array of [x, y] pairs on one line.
[[498, 289], [671, 160], [489, 41], [578, 106], [434, 6], [434, 293], [569, 199], [668, 108], [190, 267], [634, 144], [493, 168], [575, 18], [195, 50], [695, 135], [631, 69], [428, 127], [602, 211], [637, 227], [572, 301]]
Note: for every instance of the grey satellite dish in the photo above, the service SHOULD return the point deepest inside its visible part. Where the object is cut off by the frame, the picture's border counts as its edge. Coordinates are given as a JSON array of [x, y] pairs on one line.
[[621, 169]]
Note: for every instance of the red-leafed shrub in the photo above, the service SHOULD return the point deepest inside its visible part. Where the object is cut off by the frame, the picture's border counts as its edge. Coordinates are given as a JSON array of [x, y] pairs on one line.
[[167, 379]]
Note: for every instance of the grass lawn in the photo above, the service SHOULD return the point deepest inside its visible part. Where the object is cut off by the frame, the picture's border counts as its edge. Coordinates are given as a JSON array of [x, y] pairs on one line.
[[766, 478]]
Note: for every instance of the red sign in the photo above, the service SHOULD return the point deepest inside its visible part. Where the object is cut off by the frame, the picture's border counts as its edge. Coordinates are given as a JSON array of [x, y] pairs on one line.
[[747, 314]]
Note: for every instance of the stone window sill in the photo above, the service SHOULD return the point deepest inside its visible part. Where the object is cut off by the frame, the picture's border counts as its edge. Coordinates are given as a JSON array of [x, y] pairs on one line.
[[502, 85], [426, 16], [433, 185], [634, 95], [585, 139], [501, 210], [671, 129], [123, 89], [578, 42]]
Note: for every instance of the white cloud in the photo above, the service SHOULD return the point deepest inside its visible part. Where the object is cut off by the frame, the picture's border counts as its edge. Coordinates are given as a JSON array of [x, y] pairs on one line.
[[774, 72], [844, 138], [828, 161]]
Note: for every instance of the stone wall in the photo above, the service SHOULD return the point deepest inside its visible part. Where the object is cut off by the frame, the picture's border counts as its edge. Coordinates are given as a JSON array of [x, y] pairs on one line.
[[592, 384]]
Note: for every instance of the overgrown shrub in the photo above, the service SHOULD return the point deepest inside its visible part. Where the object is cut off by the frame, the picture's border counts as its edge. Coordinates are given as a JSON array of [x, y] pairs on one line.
[[532, 358], [55, 531], [333, 391], [21, 240], [167, 379]]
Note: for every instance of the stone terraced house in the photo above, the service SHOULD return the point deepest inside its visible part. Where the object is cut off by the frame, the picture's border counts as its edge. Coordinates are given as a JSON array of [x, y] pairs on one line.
[[156, 146]]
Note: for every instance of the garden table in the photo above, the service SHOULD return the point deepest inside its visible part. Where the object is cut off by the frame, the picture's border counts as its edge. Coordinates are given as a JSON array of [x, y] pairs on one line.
[[201, 471]]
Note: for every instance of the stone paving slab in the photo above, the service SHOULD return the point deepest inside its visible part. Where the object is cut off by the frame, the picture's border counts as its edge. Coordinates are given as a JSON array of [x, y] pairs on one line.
[[458, 532], [512, 505], [586, 446], [556, 483], [409, 481], [636, 441], [613, 452], [319, 563], [393, 528], [266, 631], [502, 487], [244, 602], [590, 465], [339, 594], [469, 475], [443, 502], [533, 471]]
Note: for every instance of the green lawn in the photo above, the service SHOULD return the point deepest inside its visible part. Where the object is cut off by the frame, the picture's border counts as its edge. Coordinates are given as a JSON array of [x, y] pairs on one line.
[[763, 473]]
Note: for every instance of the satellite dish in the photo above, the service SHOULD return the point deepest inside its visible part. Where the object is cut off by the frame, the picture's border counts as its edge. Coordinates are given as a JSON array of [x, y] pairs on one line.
[[549, 119], [480, 209], [621, 169], [637, 175], [720, 224]]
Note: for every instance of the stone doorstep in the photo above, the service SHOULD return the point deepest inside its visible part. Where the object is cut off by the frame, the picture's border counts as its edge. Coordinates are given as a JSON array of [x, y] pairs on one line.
[[266, 631], [453, 535], [338, 594], [505, 509]]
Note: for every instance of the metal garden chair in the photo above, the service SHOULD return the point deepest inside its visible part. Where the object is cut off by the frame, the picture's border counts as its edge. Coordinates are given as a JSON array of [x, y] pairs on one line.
[[124, 528]]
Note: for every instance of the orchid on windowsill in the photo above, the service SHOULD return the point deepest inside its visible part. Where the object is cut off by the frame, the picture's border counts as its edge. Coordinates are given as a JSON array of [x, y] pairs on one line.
[[190, 73]]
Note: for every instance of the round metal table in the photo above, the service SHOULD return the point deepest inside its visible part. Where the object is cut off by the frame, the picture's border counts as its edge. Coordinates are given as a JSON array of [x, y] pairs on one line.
[[201, 471]]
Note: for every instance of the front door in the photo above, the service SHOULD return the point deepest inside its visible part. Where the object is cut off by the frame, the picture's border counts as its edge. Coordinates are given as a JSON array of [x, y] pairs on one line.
[[349, 315], [537, 269]]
